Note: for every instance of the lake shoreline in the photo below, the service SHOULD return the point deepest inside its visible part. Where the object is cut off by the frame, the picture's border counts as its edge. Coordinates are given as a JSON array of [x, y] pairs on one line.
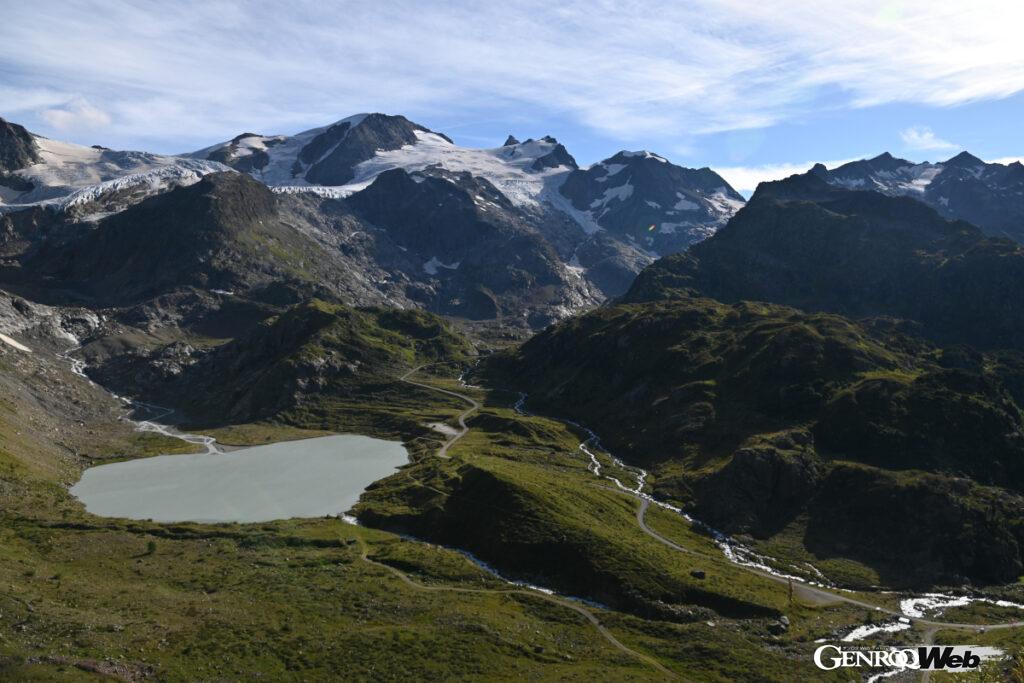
[[305, 478]]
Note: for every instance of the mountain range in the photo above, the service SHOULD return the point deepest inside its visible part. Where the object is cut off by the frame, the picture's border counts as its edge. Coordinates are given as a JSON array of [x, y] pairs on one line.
[[807, 243], [827, 380], [821, 363], [373, 206], [989, 195]]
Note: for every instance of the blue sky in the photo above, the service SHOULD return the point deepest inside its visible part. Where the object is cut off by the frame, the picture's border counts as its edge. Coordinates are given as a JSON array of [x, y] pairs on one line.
[[754, 90]]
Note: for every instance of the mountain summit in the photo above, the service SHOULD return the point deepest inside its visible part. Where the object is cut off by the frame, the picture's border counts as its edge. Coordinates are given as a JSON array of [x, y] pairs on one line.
[[989, 195]]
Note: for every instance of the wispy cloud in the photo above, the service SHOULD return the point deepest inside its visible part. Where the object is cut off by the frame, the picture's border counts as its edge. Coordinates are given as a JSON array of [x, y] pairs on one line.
[[200, 70], [922, 138], [745, 179], [77, 114]]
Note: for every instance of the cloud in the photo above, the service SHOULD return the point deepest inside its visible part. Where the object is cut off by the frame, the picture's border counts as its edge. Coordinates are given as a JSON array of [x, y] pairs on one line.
[[745, 179], [1007, 160], [629, 71], [78, 114], [19, 101], [921, 138]]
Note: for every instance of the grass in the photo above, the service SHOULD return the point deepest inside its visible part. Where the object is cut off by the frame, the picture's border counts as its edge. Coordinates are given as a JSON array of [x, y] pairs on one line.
[[144, 445], [788, 548], [289, 600], [293, 600], [257, 433]]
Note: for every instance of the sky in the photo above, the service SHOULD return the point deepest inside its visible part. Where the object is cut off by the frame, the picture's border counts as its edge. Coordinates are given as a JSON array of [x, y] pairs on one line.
[[755, 90]]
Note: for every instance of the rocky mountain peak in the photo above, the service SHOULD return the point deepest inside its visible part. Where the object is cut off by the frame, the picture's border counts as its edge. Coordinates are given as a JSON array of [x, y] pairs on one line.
[[819, 170], [17, 147], [963, 160], [656, 204], [989, 195]]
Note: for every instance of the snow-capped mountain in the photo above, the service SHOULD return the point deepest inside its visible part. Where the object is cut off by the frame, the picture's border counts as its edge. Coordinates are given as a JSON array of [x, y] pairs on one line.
[[346, 156], [651, 202], [371, 208], [987, 194], [625, 195], [38, 171], [325, 156]]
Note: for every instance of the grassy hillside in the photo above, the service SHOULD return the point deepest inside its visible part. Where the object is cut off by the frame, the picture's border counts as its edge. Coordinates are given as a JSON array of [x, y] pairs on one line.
[[299, 366], [747, 413], [92, 599]]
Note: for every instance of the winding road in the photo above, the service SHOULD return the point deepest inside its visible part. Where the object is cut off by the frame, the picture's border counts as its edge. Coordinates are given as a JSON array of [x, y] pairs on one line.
[[808, 593], [442, 452], [583, 612]]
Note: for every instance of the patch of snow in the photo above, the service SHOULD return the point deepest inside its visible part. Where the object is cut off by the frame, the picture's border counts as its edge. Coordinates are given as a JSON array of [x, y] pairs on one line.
[[151, 181], [919, 177], [723, 204], [431, 266], [284, 154], [653, 205], [8, 195], [443, 428], [336, 192], [584, 219], [10, 342], [510, 169], [511, 173], [906, 180], [644, 154], [622, 193], [70, 175], [685, 204]]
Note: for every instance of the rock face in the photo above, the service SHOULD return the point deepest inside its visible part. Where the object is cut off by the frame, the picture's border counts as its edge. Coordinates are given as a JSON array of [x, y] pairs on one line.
[[321, 156], [246, 152], [558, 156], [484, 252], [447, 242], [760, 489], [17, 147], [990, 196], [643, 198], [332, 154], [536, 175], [805, 243], [212, 235]]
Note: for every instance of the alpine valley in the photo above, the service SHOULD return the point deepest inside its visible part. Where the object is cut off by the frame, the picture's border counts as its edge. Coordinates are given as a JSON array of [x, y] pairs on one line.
[[654, 430]]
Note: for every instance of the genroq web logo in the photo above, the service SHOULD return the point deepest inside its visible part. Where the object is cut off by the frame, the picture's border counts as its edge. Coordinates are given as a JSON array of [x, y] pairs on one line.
[[921, 657]]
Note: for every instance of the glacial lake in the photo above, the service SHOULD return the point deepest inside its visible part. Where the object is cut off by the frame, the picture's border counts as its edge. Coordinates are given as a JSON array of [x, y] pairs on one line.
[[307, 478]]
